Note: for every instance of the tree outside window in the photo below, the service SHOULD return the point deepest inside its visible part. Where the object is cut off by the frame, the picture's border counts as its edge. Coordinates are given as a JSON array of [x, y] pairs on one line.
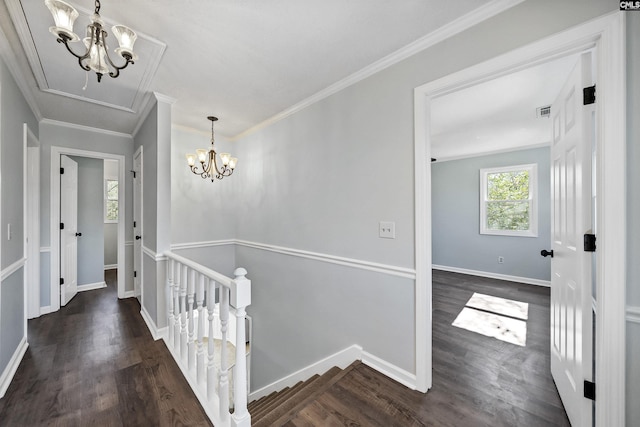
[[111, 201], [508, 201]]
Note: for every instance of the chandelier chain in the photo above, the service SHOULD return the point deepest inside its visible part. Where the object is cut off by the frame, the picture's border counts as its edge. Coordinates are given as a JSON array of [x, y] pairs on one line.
[[97, 6]]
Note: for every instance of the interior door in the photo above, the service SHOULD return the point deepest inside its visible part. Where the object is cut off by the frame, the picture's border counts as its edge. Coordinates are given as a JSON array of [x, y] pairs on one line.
[[68, 230], [137, 226], [571, 321]]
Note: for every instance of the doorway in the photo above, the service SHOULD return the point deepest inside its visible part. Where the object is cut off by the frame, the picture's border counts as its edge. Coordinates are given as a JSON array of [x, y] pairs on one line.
[[56, 155], [606, 34]]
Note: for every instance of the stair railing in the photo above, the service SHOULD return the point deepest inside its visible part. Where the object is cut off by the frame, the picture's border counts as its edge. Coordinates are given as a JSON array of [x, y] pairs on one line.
[[195, 292]]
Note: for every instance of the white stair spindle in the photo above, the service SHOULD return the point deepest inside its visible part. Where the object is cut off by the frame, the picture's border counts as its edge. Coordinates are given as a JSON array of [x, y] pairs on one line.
[[200, 349], [170, 319], [211, 369], [190, 340], [176, 306], [224, 363], [240, 299], [183, 313]]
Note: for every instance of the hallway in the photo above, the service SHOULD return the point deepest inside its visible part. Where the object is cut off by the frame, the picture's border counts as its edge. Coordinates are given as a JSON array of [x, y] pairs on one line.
[[94, 363]]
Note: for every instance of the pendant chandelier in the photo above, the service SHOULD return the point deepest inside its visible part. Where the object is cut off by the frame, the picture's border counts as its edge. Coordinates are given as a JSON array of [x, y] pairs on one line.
[[208, 161], [96, 57]]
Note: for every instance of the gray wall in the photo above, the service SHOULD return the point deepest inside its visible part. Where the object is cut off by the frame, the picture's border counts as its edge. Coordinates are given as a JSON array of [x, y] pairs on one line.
[[90, 220], [321, 180], [633, 207], [62, 135], [111, 229], [14, 111], [455, 209]]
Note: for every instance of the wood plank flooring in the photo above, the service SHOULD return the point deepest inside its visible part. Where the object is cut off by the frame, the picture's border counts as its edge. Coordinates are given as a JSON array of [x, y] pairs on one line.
[[477, 380], [94, 363]]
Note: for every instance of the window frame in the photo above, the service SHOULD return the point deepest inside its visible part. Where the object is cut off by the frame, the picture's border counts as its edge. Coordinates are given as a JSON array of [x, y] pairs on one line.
[[532, 168], [107, 200]]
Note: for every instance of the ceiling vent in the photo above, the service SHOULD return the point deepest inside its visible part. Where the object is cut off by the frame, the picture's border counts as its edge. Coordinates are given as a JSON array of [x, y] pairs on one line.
[[543, 111]]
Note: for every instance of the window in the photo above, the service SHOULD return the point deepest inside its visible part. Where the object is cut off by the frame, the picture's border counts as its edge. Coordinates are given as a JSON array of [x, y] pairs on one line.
[[508, 198], [111, 200]]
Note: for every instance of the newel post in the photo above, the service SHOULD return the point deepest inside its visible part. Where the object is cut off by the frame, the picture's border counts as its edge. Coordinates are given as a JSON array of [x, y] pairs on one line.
[[240, 299]]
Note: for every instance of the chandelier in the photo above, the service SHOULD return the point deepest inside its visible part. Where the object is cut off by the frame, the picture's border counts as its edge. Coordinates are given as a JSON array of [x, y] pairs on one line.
[[209, 163], [96, 57]]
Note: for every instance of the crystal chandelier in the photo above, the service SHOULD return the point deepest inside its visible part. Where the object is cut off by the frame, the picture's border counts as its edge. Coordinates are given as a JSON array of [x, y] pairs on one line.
[[209, 163], [96, 57]]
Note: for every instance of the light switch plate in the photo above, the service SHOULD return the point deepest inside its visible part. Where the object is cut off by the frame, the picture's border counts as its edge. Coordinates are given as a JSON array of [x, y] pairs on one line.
[[387, 230]]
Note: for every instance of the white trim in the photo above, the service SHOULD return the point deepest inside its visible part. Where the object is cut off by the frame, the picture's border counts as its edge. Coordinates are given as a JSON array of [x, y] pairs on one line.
[[449, 30], [45, 310], [17, 265], [31, 167], [91, 286], [110, 266], [155, 332], [400, 375], [128, 294], [341, 359], [12, 366], [440, 159], [607, 34], [490, 275], [128, 243], [45, 249], [203, 244], [54, 228], [633, 314], [152, 99], [154, 256], [86, 129], [348, 262]]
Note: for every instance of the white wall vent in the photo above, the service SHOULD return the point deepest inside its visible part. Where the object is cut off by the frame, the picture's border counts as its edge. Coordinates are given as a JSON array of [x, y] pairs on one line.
[[543, 111]]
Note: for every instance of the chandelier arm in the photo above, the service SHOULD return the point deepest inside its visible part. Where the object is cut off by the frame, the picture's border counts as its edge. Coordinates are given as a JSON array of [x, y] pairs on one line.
[[64, 39]]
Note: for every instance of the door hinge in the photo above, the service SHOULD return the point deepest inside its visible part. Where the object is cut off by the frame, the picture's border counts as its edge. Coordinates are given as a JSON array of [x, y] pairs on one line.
[[135, 274], [61, 281], [61, 171], [134, 174], [134, 224], [62, 226], [589, 95], [589, 390], [589, 242]]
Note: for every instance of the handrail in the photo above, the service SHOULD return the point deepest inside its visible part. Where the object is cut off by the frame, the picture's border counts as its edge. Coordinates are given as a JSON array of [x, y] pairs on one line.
[[218, 277]]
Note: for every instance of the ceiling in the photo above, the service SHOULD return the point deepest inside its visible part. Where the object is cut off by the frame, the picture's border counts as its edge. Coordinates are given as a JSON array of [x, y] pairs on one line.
[[497, 115], [245, 61]]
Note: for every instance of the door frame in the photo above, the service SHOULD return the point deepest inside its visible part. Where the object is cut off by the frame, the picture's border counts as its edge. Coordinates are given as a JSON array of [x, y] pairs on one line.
[[31, 185], [139, 152], [56, 152], [607, 35]]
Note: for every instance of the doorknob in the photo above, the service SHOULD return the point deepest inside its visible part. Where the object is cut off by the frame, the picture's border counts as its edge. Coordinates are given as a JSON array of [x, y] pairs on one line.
[[78, 234], [138, 237], [546, 253]]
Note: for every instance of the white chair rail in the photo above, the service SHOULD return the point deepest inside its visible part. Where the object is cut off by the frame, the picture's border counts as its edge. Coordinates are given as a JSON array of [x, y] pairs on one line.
[[206, 313]]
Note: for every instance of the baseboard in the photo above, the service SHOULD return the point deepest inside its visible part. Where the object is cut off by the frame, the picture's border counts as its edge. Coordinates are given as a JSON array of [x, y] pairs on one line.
[[400, 375], [111, 266], [129, 294], [341, 359], [12, 366], [91, 286], [45, 310], [156, 333], [527, 280]]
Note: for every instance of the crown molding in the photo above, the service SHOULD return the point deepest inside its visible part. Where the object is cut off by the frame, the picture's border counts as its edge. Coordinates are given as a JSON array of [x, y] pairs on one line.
[[85, 128], [455, 27]]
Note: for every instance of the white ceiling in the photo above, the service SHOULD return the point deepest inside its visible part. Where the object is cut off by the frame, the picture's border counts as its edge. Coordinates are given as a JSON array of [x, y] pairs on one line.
[[497, 115], [244, 61]]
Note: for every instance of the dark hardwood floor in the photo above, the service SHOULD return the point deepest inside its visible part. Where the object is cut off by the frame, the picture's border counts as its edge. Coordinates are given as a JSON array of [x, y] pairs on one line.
[[94, 363], [477, 380]]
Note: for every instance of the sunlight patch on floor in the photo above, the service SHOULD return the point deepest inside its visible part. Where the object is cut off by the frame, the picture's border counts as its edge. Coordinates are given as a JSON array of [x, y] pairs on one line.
[[495, 317]]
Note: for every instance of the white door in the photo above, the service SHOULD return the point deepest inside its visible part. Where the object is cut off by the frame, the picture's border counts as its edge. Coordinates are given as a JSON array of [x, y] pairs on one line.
[[68, 230], [137, 225], [571, 321]]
